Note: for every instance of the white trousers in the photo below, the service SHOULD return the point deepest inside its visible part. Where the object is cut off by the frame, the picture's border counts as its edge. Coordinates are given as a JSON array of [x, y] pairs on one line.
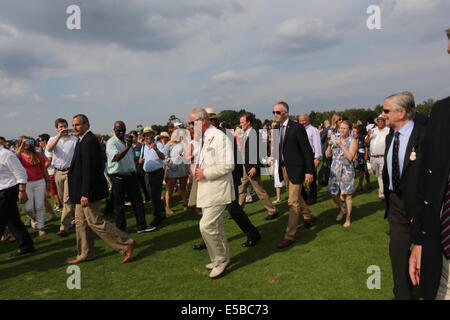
[[377, 165], [444, 285], [35, 206], [213, 233]]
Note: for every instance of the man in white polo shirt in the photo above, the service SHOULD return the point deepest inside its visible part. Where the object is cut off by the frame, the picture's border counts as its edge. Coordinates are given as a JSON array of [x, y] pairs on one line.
[[63, 146], [377, 139]]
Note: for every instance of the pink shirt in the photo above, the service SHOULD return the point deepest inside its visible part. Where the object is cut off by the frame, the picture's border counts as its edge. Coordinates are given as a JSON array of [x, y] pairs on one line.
[[35, 172]]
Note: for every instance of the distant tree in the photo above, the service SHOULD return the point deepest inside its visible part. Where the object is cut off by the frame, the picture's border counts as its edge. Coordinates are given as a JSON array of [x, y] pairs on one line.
[[425, 107], [232, 118]]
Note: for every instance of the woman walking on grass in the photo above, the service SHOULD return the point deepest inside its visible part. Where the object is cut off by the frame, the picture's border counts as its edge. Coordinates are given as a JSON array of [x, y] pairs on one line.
[[343, 149], [38, 182]]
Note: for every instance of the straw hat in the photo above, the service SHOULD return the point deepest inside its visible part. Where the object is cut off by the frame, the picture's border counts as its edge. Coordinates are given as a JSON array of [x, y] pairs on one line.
[[147, 130], [211, 113]]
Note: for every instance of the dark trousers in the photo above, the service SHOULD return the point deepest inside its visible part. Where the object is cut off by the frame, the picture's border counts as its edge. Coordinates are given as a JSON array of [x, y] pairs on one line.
[[312, 189], [123, 186], [239, 216], [154, 183], [9, 215], [141, 179], [399, 247]]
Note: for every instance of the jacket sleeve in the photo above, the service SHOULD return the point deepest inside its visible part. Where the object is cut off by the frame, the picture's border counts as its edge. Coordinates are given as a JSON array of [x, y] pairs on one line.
[[305, 149], [224, 162], [88, 161]]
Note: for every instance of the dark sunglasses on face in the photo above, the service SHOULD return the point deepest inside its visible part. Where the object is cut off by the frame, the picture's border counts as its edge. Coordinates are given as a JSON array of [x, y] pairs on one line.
[[191, 123], [120, 130], [386, 111], [29, 141], [277, 112]]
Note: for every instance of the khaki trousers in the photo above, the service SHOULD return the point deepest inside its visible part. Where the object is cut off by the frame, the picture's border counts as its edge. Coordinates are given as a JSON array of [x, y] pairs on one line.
[[444, 285], [296, 206], [213, 233], [62, 186], [89, 220], [260, 192], [377, 165]]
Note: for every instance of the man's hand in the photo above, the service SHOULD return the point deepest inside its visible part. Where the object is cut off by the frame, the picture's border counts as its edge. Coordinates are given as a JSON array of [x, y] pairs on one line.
[[130, 141], [252, 172], [309, 178], [316, 163], [141, 160], [153, 146], [23, 197], [84, 202], [199, 174], [414, 264]]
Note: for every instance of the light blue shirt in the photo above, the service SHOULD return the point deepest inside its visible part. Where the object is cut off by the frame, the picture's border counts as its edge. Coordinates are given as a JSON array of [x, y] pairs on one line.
[[405, 133], [126, 164], [151, 158]]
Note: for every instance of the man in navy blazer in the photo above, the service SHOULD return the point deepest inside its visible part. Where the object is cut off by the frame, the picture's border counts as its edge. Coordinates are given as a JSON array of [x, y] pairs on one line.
[[296, 159], [87, 186]]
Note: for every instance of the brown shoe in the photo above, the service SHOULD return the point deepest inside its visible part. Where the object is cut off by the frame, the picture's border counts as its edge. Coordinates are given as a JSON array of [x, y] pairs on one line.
[[75, 261], [62, 233], [285, 243], [128, 253]]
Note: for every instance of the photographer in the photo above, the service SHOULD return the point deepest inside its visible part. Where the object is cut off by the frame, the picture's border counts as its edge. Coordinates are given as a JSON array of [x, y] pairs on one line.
[[122, 172]]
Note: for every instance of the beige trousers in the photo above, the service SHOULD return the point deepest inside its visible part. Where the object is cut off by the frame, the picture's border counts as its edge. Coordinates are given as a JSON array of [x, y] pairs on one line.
[[296, 206], [444, 285], [213, 233], [62, 186], [89, 220], [260, 192], [377, 165]]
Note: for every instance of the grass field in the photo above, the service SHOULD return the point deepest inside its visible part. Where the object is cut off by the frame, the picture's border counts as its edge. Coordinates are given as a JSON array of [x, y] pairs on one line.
[[326, 261]]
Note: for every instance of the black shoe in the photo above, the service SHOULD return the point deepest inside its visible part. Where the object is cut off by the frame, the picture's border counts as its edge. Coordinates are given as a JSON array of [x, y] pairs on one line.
[[21, 252], [307, 223], [200, 246], [251, 241], [157, 220], [272, 216], [230, 217], [311, 202]]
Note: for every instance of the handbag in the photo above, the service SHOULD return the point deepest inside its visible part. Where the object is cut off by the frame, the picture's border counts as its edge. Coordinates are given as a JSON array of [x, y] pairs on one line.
[[324, 175]]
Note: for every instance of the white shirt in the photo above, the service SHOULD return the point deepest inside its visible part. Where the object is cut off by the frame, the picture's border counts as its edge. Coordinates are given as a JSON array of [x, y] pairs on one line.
[[152, 161], [63, 152], [314, 140], [378, 141], [11, 170], [284, 133], [51, 167]]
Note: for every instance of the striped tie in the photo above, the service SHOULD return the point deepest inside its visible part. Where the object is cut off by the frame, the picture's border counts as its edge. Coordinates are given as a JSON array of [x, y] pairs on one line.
[[445, 223], [395, 163]]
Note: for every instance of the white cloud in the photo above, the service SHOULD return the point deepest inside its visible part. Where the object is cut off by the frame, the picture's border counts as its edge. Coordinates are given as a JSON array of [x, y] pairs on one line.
[[240, 77], [37, 99], [12, 115], [83, 97], [10, 89], [298, 36]]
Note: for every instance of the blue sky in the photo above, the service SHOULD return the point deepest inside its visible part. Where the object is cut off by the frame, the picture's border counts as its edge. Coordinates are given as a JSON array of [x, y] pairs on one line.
[[142, 61]]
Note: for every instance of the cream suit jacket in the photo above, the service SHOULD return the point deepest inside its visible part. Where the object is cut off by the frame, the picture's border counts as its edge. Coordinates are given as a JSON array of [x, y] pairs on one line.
[[216, 158]]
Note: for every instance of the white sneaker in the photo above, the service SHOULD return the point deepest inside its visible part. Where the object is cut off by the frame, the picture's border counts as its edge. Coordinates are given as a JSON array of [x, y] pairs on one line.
[[217, 271], [209, 266]]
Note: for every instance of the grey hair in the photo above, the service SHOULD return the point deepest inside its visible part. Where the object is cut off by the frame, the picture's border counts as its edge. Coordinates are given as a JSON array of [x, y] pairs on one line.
[[304, 115], [403, 100], [199, 113]]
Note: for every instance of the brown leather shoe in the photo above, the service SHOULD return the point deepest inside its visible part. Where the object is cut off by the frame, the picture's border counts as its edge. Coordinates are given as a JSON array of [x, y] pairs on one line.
[[285, 243], [75, 261], [62, 233], [128, 253]]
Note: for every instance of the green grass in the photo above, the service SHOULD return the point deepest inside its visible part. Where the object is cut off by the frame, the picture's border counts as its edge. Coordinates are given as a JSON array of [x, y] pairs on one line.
[[326, 261]]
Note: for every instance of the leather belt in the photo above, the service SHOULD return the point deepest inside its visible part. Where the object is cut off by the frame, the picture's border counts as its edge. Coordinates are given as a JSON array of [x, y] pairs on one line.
[[123, 174], [377, 156], [62, 170]]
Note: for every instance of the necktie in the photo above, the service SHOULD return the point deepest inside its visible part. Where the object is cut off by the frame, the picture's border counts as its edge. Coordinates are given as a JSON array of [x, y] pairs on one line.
[[445, 223], [395, 163], [281, 142]]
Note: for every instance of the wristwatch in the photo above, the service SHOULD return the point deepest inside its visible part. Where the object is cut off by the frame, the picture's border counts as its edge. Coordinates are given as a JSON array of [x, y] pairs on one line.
[[22, 191]]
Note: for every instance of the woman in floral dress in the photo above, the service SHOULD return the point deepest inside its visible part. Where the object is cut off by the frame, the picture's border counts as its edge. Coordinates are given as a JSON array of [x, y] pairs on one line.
[[342, 147]]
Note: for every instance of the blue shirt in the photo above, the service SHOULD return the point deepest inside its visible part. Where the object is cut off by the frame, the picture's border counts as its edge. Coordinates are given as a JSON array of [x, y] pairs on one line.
[[405, 133], [151, 158]]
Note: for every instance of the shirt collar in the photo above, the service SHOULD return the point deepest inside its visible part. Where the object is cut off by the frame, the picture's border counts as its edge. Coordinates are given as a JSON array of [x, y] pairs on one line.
[[81, 138], [286, 123], [307, 127], [406, 128], [247, 132], [208, 131]]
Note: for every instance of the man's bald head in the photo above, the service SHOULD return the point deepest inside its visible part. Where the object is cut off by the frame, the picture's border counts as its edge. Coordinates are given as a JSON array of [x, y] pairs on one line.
[[120, 129]]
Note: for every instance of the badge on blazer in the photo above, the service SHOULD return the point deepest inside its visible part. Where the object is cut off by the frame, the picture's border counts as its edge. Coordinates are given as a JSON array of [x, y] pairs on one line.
[[413, 155]]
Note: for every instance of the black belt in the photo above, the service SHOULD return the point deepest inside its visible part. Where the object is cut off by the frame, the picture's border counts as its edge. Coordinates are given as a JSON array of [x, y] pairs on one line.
[[62, 170], [123, 175]]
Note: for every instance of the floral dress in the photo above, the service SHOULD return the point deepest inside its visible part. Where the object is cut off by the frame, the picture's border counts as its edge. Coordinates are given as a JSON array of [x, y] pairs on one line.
[[342, 173]]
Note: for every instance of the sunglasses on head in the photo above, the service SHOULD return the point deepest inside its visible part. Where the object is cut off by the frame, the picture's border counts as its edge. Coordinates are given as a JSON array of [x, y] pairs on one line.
[[277, 112], [29, 141]]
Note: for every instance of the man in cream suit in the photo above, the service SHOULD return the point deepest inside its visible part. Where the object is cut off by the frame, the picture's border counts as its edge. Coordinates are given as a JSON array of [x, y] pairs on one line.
[[213, 189]]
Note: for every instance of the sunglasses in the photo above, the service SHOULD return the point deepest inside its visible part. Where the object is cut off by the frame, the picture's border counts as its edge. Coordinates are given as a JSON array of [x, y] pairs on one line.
[[386, 111], [29, 141], [277, 112], [191, 123], [120, 130]]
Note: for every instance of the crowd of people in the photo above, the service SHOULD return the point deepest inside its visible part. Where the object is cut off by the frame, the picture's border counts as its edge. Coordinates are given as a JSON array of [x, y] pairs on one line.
[[212, 169]]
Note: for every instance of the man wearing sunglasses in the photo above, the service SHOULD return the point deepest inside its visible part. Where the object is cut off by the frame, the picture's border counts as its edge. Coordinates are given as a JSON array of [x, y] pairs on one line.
[[296, 160], [122, 172], [429, 262]]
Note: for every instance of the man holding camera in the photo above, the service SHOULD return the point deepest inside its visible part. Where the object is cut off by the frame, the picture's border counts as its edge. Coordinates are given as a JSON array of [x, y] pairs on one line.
[[63, 147], [122, 172]]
